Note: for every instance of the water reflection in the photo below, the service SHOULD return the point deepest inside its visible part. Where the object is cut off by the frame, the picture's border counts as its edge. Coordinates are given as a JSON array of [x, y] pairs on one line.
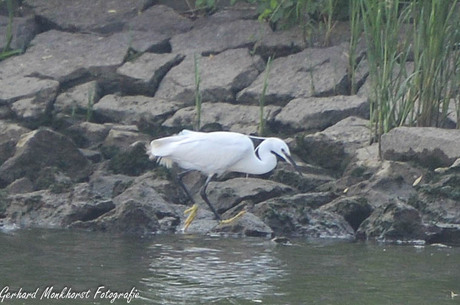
[[205, 270]]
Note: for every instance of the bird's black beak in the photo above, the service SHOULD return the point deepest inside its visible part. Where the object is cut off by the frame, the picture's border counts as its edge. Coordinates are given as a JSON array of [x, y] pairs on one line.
[[291, 161]]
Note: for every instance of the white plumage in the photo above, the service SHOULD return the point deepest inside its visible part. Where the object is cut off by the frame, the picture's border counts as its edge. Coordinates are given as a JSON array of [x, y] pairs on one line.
[[215, 153]]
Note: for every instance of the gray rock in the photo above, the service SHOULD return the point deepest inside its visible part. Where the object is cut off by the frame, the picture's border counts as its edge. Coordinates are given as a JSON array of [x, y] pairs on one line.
[[10, 133], [48, 209], [160, 19], [139, 210], [23, 31], [312, 72], [78, 99], [289, 217], [143, 74], [68, 56], [394, 222], [246, 225], [223, 36], [137, 110], [17, 88], [86, 16], [238, 118], [221, 77], [390, 181], [227, 194], [36, 110], [354, 209], [432, 147], [318, 113], [120, 138], [281, 43], [41, 148], [87, 134], [334, 147]]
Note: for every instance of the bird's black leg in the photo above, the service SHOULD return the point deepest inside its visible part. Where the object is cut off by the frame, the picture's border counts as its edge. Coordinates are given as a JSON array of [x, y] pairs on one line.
[[205, 198], [182, 185]]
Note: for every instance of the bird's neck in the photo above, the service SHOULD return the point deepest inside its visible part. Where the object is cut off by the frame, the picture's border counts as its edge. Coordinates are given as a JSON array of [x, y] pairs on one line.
[[265, 162]]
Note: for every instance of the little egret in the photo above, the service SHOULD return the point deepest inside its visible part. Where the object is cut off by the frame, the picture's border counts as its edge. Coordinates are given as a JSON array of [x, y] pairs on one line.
[[216, 153]]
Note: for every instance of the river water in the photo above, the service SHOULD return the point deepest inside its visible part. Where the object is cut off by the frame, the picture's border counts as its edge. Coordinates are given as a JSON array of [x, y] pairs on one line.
[[69, 267]]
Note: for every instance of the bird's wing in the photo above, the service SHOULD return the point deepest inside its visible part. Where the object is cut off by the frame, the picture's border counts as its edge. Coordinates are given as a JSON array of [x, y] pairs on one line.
[[210, 153]]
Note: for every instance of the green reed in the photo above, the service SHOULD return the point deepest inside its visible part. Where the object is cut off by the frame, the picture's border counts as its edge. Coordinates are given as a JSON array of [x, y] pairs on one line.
[[262, 120], [198, 97]]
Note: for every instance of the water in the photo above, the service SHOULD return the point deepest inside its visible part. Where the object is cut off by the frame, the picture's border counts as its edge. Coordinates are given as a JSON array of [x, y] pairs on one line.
[[186, 269]]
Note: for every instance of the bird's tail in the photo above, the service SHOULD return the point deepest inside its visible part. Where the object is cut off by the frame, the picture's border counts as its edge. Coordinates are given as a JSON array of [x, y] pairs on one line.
[[157, 150]]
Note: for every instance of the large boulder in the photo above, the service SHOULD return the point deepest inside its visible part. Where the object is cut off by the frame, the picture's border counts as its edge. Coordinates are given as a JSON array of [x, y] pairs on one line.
[[221, 77], [43, 148], [296, 218], [85, 16], [317, 113], [160, 19], [312, 72], [138, 110], [10, 133], [220, 37], [225, 116], [227, 194], [394, 222], [432, 147], [64, 56], [139, 210], [143, 74]]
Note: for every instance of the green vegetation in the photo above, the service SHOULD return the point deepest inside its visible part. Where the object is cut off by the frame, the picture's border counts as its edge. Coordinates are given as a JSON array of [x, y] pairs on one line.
[[262, 118], [198, 97], [7, 51], [412, 51]]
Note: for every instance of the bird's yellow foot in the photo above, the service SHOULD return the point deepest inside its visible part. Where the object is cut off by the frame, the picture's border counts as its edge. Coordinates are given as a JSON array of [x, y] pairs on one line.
[[192, 214], [230, 220]]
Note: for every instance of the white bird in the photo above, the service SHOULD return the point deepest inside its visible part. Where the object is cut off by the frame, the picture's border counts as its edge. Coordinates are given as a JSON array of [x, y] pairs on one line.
[[216, 153]]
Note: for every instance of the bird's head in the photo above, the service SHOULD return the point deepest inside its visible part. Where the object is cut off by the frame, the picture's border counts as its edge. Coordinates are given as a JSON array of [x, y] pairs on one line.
[[280, 149]]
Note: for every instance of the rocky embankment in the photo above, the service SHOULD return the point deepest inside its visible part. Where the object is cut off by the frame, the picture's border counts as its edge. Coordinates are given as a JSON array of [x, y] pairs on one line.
[[98, 79]]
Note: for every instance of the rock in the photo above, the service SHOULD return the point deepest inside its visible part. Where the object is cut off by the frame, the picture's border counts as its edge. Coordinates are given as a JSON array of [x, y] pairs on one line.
[[120, 138], [334, 147], [133, 110], [17, 88], [53, 149], [354, 209], [36, 110], [87, 134], [393, 222], [312, 72], [438, 198], [319, 113], [139, 210], [307, 182], [143, 74], [78, 99], [10, 133], [281, 43], [431, 147], [223, 36], [246, 225], [159, 19], [227, 194], [289, 217], [48, 209], [221, 77], [23, 31], [223, 116], [391, 181], [109, 186], [20, 186], [69, 56], [85, 16]]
